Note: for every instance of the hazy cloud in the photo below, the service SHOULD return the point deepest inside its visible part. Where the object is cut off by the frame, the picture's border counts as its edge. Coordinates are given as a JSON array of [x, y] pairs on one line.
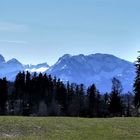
[[14, 41], [13, 27]]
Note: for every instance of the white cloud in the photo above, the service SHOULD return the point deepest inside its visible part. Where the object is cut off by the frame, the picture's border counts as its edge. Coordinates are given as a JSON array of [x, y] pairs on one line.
[[13, 27]]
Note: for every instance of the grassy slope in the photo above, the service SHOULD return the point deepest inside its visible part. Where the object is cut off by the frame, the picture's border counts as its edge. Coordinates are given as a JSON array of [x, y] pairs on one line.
[[52, 128]]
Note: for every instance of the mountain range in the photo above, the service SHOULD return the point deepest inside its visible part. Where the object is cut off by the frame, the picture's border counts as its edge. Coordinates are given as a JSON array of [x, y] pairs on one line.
[[87, 69]]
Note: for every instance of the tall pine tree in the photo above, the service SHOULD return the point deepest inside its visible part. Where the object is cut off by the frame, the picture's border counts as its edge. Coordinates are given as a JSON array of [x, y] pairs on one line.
[[3, 95], [115, 106], [137, 84], [92, 101]]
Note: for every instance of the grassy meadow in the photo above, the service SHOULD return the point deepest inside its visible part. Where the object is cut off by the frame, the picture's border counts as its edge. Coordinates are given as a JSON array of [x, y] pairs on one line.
[[63, 128]]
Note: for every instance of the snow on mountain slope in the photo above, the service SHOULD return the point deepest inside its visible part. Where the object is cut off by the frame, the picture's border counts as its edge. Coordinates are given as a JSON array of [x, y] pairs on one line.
[[37, 70], [40, 68], [95, 68]]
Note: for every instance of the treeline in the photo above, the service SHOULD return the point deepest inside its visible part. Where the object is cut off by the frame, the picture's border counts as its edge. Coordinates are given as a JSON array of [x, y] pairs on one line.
[[42, 95]]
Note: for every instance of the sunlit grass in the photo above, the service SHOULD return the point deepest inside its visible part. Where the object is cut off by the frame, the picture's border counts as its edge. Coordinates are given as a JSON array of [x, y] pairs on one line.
[[61, 128]]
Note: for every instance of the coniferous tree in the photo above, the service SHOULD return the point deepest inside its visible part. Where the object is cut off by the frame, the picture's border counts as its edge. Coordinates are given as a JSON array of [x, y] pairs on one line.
[[72, 100], [92, 100], [115, 106], [34, 93], [20, 94], [128, 104], [61, 96], [81, 100], [3, 95], [99, 105], [105, 106], [28, 95], [137, 85]]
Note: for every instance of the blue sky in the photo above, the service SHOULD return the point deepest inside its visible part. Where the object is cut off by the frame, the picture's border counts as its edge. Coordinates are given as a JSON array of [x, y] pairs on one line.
[[35, 31]]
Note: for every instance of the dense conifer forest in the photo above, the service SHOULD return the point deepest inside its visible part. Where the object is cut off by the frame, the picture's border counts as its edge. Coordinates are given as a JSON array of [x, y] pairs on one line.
[[44, 95]]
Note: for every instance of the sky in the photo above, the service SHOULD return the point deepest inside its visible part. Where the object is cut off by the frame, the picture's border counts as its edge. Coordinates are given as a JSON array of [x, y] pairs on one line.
[[36, 31]]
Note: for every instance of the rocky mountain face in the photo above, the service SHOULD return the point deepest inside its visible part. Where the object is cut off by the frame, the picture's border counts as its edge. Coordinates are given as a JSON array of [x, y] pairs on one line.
[[95, 68]]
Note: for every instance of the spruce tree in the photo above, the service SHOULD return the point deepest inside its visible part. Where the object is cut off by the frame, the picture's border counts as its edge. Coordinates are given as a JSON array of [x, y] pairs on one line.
[[115, 106], [137, 84], [20, 94], [81, 100], [3, 95], [28, 96], [92, 100]]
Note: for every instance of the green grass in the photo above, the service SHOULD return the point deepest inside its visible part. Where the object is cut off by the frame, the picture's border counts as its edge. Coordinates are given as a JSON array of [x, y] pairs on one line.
[[53, 128]]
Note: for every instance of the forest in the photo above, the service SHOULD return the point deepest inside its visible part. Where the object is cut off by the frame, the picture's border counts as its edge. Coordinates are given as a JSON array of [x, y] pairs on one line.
[[44, 95]]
